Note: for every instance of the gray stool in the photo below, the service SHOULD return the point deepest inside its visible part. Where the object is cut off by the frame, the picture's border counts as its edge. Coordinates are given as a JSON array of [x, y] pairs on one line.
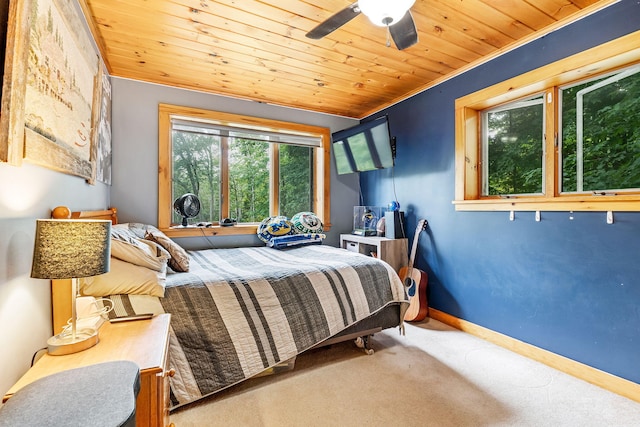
[[97, 395]]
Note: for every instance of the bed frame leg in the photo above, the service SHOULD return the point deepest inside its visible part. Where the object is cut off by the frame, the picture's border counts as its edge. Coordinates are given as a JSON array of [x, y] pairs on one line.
[[363, 343]]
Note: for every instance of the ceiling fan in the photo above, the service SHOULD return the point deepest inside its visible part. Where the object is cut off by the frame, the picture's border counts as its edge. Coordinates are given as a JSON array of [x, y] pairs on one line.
[[393, 14]]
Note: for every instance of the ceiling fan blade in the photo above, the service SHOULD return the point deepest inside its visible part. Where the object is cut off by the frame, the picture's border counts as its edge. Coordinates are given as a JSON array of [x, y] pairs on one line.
[[403, 32], [334, 22]]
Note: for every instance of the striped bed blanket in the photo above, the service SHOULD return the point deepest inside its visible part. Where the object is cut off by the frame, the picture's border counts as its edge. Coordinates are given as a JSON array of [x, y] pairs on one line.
[[238, 312]]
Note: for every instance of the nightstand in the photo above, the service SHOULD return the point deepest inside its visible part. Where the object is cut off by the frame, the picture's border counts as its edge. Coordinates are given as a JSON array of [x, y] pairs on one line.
[[391, 251], [145, 342]]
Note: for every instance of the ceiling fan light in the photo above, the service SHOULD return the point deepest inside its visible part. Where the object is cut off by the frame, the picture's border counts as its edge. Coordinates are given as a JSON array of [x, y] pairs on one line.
[[385, 12]]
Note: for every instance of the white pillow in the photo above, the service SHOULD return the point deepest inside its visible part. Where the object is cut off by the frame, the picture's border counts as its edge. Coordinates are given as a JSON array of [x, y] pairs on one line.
[[144, 253], [125, 278]]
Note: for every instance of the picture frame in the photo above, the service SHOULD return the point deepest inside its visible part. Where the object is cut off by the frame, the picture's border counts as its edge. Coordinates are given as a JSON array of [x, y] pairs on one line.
[[4, 22], [51, 84], [102, 144]]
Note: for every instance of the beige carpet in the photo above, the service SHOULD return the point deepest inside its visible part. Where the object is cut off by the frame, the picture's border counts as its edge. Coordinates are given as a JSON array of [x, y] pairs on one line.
[[432, 376]]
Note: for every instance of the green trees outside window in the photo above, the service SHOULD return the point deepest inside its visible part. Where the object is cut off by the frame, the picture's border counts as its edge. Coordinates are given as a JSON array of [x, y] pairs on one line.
[[296, 178], [556, 138], [197, 159], [248, 180], [599, 142], [196, 169], [601, 134], [513, 148]]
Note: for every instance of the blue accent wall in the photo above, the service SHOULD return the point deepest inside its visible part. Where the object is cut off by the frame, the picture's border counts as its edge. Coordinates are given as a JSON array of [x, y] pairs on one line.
[[569, 283]]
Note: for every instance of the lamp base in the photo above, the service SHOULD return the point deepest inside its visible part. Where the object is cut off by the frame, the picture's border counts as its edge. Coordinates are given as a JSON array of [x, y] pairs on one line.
[[62, 344]]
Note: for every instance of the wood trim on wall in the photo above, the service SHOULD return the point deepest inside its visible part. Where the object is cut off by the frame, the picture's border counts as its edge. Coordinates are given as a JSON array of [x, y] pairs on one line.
[[602, 379]]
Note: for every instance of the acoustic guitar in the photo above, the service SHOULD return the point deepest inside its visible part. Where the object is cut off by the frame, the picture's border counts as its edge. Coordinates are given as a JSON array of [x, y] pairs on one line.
[[415, 282]]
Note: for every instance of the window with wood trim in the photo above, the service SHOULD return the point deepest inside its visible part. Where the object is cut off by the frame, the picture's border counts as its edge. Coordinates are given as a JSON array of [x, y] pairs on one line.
[[562, 137], [240, 167], [512, 144], [599, 139]]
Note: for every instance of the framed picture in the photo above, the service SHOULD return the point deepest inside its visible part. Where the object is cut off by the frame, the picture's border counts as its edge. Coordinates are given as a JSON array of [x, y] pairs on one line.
[[102, 151], [4, 22], [49, 112]]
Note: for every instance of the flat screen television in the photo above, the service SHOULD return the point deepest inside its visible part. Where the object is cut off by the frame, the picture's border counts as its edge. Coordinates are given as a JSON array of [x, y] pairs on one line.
[[367, 146]]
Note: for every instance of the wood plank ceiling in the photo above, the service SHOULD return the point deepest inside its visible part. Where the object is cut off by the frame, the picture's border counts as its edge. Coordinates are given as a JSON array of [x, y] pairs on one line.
[[257, 50]]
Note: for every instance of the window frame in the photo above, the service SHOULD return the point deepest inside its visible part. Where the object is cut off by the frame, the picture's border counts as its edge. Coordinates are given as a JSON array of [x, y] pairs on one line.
[[606, 58], [484, 137], [321, 167], [605, 80]]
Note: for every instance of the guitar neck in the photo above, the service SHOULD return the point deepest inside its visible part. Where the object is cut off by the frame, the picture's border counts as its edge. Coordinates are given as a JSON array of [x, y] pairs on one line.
[[414, 246]]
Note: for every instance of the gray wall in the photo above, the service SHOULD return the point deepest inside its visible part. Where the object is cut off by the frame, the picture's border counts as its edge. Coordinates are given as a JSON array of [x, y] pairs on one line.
[[27, 193], [30, 192], [135, 153]]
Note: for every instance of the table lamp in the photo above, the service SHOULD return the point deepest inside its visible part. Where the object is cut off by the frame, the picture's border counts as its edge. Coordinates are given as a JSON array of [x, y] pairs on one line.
[[71, 249]]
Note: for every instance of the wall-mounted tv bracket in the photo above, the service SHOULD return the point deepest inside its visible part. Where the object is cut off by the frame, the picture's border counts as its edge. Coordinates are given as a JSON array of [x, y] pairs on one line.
[[393, 147]]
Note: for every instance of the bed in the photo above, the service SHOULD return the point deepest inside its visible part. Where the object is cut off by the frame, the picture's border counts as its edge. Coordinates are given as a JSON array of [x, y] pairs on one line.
[[238, 312]]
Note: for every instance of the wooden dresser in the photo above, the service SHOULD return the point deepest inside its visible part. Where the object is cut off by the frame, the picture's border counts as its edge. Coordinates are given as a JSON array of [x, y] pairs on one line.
[[145, 342]]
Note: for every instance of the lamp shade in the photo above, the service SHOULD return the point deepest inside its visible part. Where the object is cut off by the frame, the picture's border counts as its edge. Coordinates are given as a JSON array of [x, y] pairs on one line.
[[66, 249], [385, 12]]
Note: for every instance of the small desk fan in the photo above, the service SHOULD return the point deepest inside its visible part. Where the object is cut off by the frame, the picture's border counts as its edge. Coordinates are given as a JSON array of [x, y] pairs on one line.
[[188, 206]]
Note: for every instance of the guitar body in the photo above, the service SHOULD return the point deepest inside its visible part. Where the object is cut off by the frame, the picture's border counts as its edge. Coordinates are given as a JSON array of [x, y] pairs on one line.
[[415, 282], [416, 285]]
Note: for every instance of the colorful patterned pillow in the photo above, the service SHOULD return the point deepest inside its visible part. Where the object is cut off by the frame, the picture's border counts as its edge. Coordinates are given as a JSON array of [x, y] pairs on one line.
[[274, 226], [307, 222]]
